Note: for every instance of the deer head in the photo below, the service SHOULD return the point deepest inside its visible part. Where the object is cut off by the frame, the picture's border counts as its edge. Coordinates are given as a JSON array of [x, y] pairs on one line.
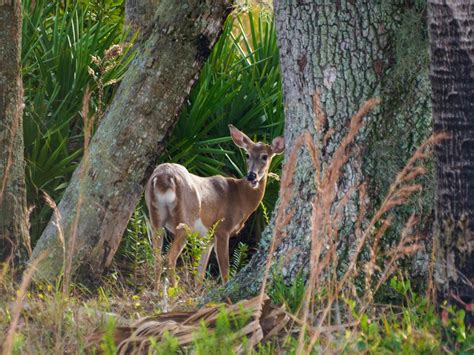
[[259, 155]]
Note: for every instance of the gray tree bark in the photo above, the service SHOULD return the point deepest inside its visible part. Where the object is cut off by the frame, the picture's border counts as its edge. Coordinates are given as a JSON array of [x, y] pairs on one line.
[[451, 30], [336, 48], [108, 183], [14, 237], [139, 14]]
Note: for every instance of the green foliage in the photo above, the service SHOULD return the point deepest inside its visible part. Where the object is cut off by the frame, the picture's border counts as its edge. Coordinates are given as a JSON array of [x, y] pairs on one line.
[[224, 338], [414, 327], [239, 258], [195, 246], [291, 296], [137, 248], [108, 345], [58, 42], [168, 345], [18, 343], [221, 340]]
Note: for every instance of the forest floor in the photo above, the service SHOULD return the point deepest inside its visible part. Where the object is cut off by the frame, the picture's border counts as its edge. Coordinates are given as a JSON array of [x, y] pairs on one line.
[[54, 320], [49, 319]]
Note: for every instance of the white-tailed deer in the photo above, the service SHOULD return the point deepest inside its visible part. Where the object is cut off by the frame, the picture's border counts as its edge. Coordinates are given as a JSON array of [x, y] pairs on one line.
[[174, 196]]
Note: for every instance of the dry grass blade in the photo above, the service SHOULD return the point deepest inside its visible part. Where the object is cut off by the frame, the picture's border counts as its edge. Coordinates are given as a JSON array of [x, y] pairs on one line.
[[57, 223], [25, 282], [324, 228], [399, 192], [71, 247], [263, 320]]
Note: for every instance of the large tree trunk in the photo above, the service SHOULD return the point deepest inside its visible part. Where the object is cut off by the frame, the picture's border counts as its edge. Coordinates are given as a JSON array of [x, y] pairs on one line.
[[139, 14], [14, 238], [105, 188], [451, 29], [336, 48]]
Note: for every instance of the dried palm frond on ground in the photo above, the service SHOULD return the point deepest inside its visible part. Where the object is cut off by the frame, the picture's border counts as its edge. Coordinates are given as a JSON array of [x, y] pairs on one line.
[[254, 320]]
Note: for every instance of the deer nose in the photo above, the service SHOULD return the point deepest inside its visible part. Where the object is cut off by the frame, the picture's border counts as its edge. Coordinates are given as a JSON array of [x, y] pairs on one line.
[[251, 176]]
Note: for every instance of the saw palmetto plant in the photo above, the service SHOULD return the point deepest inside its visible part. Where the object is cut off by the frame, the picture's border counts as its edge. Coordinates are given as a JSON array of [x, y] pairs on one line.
[[60, 41]]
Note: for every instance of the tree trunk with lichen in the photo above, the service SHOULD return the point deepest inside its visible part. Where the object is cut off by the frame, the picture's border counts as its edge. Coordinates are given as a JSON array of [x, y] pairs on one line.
[[107, 185], [14, 237], [336, 49], [451, 26], [139, 14]]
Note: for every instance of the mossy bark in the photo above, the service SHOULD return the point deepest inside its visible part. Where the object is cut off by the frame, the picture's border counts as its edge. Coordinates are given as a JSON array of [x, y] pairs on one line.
[[14, 237], [336, 48], [452, 57], [107, 185]]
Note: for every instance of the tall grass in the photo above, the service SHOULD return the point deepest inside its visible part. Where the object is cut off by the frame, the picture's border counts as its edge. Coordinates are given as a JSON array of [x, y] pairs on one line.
[[7, 345], [326, 219]]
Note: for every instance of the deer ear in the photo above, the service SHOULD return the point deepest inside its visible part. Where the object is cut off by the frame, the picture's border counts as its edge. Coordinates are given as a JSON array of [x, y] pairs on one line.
[[239, 138], [278, 145]]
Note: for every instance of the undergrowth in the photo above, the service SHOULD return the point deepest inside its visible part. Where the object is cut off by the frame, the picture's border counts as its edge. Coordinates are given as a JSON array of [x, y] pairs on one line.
[[411, 326]]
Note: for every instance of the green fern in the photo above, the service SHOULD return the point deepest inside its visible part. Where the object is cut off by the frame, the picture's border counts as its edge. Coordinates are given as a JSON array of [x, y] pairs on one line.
[[239, 258]]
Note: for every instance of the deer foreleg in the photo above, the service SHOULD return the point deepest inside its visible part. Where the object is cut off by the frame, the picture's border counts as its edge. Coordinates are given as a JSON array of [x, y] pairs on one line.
[[222, 251], [203, 261]]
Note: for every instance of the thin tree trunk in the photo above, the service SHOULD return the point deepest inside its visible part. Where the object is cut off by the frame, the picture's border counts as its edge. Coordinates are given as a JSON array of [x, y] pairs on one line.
[[14, 237], [337, 49], [451, 29], [106, 187]]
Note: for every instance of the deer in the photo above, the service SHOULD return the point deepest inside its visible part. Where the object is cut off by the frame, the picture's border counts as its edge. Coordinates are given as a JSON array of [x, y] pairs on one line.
[[177, 198]]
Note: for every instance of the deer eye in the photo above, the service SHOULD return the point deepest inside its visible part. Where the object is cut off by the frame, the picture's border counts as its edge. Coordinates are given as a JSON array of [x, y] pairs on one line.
[[264, 157]]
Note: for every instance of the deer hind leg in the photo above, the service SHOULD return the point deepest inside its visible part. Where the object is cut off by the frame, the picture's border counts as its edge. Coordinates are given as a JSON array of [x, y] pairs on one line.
[[222, 251], [157, 242]]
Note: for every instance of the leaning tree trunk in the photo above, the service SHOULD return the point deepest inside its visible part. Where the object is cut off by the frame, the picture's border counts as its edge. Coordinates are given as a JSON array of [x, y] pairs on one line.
[[14, 237], [336, 49], [105, 188], [451, 30]]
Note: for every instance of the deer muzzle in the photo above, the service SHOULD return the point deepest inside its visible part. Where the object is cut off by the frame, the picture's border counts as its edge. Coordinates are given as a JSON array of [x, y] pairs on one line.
[[251, 176]]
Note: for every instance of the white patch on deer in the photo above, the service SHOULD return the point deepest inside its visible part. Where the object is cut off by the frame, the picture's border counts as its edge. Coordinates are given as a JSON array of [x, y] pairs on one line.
[[200, 227], [165, 202], [166, 198]]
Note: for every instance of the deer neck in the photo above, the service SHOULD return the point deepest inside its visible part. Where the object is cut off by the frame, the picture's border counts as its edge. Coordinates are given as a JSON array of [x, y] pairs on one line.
[[252, 196]]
